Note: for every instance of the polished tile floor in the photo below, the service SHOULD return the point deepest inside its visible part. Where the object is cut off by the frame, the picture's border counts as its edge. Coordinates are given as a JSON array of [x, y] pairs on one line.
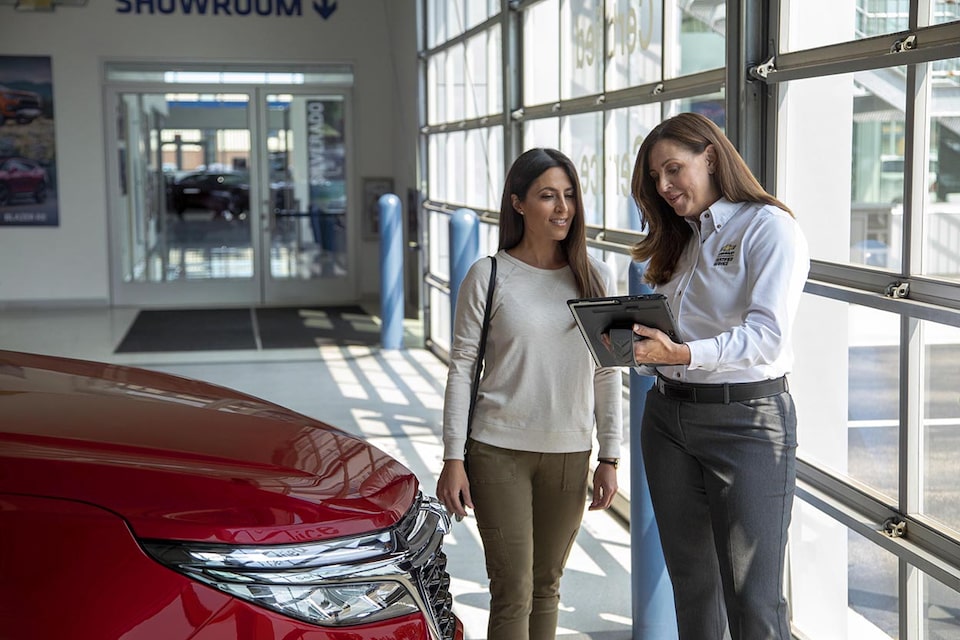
[[392, 398]]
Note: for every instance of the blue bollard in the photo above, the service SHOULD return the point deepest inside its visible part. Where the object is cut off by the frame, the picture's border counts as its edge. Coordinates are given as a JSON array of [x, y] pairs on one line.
[[391, 272], [654, 616], [464, 250]]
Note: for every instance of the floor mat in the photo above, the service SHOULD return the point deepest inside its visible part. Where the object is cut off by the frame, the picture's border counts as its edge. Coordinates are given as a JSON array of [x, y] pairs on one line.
[[189, 330], [293, 327], [267, 328]]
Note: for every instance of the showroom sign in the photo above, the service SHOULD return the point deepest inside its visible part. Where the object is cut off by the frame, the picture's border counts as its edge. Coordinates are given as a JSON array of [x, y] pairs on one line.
[[273, 8]]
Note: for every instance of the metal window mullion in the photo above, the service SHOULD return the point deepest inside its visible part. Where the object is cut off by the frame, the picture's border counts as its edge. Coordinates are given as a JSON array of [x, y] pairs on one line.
[[670, 25], [438, 207], [912, 380], [877, 300], [423, 96], [483, 122], [688, 86], [446, 208], [604, 60], [912, 419], [772, 124], [433, 282], [934, 43], [858, 509], [560, 120], [738, 34], [419, 245], [916, 145], [651, 93], [511, 40], [910, 588], [426, 131], [423, 161], [910, 423], [920, 8], [855, 497], [919, 86], [617, 237], [911, 472], [462, 37], [939, 300]]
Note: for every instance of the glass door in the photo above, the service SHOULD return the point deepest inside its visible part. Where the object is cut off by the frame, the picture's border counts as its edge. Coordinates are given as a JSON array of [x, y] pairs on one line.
[[230, 196], [305, 210], [180, 211]]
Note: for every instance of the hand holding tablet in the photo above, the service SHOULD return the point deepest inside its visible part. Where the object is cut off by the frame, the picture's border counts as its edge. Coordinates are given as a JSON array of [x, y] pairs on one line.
[[607, 325]]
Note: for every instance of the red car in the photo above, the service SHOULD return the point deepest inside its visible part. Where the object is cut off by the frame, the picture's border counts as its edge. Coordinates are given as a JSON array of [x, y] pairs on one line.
[[141, 505], [21, 177]]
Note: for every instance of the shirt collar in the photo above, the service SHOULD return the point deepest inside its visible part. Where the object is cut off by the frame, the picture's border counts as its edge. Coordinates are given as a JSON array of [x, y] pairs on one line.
[[721, 212]]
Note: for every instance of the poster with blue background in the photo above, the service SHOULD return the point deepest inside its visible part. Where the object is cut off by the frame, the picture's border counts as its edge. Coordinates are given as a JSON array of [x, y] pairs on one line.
[[28, 165]]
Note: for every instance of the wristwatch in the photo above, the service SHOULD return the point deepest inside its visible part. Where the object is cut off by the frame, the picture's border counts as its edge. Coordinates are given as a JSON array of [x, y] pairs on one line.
[[614, 461]]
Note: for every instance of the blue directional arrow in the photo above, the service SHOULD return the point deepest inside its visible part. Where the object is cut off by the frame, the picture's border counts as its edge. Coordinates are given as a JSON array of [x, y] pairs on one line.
[[325, 8]]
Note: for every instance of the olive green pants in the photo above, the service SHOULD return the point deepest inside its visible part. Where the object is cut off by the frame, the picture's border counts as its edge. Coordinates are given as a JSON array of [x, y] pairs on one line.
[[528, 507]]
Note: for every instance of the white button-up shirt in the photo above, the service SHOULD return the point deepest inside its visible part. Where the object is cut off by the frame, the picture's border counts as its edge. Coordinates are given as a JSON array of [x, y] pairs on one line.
[[735, 293]]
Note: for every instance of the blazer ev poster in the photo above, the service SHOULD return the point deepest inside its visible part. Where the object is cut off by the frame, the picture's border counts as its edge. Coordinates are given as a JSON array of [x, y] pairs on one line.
[[28, 167]]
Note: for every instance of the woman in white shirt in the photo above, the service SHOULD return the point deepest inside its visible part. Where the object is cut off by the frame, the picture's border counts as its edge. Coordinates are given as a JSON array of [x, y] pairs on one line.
[[719, 426], [539, 400]]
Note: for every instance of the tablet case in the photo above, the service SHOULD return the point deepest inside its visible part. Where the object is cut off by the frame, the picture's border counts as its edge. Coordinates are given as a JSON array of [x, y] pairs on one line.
[[616, 316]]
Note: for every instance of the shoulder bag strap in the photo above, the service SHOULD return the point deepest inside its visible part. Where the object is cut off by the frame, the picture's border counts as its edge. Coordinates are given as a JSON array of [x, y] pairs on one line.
[[478, 368]]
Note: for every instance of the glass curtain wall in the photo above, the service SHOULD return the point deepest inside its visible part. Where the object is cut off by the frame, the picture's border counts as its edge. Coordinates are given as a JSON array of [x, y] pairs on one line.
[[866, 129], [855, 123]]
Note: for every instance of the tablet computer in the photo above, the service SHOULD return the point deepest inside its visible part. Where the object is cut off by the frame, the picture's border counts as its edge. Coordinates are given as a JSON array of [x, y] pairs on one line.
[[616, 316]]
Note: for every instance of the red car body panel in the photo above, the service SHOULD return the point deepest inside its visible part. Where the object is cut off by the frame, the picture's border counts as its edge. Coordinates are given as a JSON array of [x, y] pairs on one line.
[[94, 457], [198, 457], [42, 538], [122, 593]]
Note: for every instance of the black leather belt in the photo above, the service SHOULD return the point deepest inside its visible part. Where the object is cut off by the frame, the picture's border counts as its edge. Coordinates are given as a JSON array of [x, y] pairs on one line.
[[725, 393]]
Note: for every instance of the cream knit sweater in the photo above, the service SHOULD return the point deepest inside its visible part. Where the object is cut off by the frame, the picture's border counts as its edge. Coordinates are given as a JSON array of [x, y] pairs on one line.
[[540, 389]]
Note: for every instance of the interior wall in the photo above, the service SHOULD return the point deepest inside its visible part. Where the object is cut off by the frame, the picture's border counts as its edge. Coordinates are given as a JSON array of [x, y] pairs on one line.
[[69, 264]]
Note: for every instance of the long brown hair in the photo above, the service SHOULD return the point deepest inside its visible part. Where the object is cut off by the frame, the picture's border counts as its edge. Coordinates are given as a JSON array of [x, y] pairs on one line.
[[668, 232], [524, 171]]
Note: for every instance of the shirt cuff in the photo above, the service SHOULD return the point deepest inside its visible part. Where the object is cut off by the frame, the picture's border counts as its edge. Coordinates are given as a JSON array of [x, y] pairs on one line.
[[646, 370], [613, 452], [453, 450], [704, 354]]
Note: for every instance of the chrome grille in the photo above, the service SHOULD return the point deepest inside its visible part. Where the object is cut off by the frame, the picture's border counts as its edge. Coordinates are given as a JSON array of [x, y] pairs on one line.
[[421, 532]]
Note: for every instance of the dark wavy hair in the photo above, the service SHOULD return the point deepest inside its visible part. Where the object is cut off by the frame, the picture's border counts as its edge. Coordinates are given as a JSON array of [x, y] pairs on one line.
[[668, 232], [524, 171]]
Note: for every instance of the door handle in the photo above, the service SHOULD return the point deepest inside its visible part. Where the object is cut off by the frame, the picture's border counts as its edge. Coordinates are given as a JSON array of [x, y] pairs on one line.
[[268, 217]]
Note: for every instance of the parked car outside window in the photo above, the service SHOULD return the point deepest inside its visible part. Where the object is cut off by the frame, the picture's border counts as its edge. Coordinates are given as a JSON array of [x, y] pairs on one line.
[[141, 505], [219, 192]]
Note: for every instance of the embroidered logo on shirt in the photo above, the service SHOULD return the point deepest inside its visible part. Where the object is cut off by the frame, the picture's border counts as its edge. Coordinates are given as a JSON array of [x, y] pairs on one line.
[[725, 256]]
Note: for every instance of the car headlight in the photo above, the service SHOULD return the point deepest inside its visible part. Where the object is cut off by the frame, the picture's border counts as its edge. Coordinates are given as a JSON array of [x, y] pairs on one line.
[[333, 605], [341, 582]]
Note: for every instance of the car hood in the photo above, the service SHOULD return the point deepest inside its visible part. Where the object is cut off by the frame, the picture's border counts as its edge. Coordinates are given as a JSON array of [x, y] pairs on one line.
[[180, 459]]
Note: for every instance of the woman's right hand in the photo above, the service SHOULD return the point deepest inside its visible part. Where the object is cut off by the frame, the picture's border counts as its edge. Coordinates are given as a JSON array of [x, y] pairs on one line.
[[658, 347], [453, 488]]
